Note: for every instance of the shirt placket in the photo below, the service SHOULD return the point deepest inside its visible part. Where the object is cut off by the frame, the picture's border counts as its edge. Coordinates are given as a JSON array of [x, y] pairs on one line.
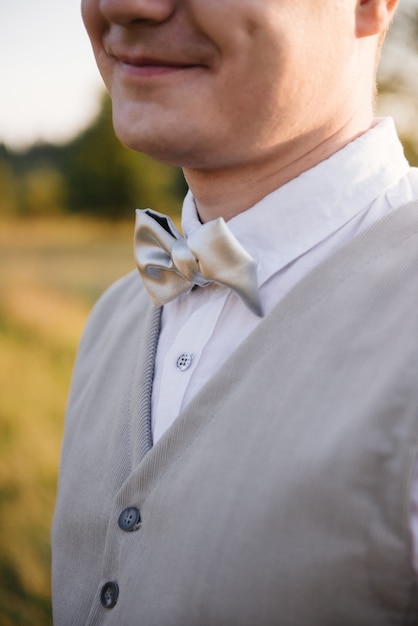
[[181, 360]]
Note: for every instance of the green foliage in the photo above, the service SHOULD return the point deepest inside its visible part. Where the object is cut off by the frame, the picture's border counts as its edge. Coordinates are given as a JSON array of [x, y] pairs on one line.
[[32, 183], [92, 174], [411, 150], [109, 180], [397, 85], [43, 192], [9, 203]]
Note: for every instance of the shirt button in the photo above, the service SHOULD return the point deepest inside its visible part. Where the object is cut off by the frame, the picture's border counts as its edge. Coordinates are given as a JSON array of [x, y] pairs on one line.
[[184, 361], [109, 595], [129, 519]]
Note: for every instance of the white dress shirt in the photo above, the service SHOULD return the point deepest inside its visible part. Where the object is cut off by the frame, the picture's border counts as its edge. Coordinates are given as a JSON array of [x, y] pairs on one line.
[[288, 233]]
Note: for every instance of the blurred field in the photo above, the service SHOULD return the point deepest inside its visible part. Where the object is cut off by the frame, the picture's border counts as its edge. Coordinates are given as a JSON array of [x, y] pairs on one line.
[[51, 272]]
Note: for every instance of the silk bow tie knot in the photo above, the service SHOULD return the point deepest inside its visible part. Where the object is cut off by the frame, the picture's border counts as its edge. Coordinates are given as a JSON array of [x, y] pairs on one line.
[[171, 265]]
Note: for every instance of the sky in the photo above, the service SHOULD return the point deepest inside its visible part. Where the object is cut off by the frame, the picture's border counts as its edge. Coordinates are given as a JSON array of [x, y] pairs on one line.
[[49, 82], [48, 79]]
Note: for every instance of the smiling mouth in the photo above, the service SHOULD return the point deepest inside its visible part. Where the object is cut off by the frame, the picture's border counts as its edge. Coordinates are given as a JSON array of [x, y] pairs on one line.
[[152, 69], [147, 67]]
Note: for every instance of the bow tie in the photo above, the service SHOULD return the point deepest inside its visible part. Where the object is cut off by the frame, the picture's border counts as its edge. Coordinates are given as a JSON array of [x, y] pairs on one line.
[[171, 264]]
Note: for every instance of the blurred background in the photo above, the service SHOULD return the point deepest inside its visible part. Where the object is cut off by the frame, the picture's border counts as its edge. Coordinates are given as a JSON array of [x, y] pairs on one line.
[[67, 194]]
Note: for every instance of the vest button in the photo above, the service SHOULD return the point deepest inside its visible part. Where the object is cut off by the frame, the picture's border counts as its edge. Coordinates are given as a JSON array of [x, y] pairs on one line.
[[129, 519], [109, 595]]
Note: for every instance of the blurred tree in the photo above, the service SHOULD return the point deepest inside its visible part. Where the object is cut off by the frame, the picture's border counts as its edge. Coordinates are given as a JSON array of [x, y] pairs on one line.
[[32, 182], [397, 78], [9, 200], [92, 174], [43, 192], [106, 179]]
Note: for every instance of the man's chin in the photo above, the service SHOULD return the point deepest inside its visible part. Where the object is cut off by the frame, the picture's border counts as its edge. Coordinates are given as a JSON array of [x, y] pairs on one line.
[[157, 144]]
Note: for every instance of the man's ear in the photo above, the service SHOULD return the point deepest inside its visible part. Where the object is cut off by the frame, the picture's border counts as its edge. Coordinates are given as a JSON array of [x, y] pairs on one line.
[[374, 16]]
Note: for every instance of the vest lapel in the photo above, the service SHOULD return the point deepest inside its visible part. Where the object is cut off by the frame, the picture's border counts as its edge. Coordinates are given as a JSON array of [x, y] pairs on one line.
[[141, 389]]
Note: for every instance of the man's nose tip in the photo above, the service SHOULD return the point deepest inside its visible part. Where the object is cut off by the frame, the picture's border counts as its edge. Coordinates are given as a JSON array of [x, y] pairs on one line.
[[125, 12]]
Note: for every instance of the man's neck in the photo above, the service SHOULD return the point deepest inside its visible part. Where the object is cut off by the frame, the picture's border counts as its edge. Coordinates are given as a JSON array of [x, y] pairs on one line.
[[229, 191]]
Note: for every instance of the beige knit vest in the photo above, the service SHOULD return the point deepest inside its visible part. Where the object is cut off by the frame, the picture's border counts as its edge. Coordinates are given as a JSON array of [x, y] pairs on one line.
[[281, 495]]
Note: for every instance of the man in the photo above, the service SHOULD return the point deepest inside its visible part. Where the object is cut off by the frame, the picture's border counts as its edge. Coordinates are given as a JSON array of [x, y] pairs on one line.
[[244, 453]]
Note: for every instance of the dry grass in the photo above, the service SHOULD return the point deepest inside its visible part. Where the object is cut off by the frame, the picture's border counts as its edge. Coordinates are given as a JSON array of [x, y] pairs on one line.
[[50, 274]]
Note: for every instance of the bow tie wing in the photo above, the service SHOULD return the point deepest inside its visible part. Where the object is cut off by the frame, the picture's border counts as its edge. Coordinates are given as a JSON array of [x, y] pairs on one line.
[[170, 265], [223, 260], [152, 250]]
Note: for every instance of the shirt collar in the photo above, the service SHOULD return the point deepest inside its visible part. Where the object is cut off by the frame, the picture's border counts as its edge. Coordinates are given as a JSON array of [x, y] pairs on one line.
[[299, 215]]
